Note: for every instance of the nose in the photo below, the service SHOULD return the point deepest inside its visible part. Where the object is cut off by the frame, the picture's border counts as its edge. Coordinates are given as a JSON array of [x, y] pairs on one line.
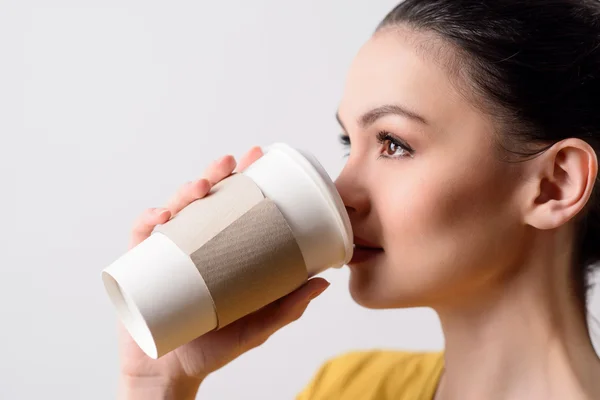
[[350, 185]]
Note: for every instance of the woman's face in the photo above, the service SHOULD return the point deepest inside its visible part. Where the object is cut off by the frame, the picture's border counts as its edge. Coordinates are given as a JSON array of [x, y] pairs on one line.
[[424, 180]]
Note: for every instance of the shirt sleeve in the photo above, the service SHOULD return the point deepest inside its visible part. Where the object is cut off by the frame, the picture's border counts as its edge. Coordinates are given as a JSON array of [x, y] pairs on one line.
[[349, 374], [376, 375], [311, 391]]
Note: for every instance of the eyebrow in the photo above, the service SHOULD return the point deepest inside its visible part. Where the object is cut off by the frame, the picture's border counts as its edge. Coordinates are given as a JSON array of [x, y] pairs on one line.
[[370, 117]]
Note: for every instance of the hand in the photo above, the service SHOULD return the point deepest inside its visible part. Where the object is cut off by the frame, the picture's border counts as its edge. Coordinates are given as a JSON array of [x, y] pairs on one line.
[[188, 365]]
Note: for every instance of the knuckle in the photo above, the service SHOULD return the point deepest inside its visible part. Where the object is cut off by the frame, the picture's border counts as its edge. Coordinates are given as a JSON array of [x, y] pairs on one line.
[[296, 314], [143, 218], [138, 227], [211, 167], [257, 340], [185, 188]]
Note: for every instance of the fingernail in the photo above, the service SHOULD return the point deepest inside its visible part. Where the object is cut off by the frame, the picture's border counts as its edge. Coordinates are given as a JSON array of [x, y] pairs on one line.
[[161, 211], [317, 293]]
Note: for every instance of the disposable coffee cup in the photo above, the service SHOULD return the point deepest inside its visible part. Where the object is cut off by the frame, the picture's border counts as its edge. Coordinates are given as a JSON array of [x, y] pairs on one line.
[[256, 237]]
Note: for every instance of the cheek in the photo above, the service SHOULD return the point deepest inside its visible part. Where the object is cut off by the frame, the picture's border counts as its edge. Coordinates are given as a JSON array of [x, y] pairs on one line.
[[444, 223], [419, 214], [427, 203]]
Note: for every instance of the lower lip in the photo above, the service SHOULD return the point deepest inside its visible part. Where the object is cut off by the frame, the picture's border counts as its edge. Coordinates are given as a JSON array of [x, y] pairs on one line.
[[362, 254]]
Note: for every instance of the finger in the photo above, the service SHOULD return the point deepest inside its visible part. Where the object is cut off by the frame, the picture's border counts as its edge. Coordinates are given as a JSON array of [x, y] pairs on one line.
[[258, 327], [251, 156], [146, 222], [187, 194], [220, 169]]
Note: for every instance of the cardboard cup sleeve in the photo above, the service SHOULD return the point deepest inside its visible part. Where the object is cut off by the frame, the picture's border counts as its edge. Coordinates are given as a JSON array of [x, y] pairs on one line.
[[263, 265], [254, 238], [221, 258]]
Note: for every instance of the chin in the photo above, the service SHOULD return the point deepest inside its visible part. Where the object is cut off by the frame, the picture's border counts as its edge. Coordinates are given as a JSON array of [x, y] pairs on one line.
[[367, 293], [378, 292]]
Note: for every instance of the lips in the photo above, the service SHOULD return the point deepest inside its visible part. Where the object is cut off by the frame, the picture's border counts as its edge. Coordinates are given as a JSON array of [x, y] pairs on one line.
[[358, 242], [364, 251]]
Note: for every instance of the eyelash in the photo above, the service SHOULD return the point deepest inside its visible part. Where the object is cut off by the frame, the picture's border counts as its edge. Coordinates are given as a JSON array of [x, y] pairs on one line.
[[383, 137]]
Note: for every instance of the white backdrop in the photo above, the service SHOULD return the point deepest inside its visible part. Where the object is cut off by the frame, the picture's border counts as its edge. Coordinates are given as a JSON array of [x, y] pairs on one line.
[[106, 107]]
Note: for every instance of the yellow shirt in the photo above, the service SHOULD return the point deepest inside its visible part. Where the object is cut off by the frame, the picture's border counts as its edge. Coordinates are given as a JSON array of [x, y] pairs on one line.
[[377, 375]]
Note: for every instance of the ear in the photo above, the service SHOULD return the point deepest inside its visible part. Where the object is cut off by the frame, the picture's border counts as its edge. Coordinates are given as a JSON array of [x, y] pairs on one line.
[[562, 180]]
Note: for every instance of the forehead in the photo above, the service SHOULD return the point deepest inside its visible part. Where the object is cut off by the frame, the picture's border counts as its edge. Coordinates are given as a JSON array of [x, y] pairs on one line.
[[399, 66]]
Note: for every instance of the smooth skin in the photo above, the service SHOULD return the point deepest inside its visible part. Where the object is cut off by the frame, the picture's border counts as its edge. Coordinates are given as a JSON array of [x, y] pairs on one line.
[[484, 241], [178, 375]]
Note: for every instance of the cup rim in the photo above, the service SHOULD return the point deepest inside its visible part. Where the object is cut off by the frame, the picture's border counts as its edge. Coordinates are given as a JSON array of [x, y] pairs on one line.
[[326, 186]]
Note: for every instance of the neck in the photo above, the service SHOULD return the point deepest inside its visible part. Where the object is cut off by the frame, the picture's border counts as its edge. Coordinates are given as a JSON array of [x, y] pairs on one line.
[[524, 338]]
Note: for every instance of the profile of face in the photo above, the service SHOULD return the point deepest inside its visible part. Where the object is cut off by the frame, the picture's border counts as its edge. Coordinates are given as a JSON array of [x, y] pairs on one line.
[[424, 180]]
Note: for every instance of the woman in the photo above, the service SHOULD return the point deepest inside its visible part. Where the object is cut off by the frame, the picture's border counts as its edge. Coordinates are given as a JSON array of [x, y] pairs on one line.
[[470, 183]]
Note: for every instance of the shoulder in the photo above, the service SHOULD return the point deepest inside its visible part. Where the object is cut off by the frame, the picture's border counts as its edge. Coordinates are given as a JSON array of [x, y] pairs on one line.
[[376, 375], [382, 360]]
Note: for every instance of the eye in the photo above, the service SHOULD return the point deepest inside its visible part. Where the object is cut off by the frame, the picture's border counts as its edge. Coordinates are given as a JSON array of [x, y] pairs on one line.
[[345, 141], [393, 147]]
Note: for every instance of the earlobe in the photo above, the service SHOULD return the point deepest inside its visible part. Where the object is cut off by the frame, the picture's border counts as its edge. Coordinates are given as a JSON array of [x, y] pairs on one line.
[[562, 183]]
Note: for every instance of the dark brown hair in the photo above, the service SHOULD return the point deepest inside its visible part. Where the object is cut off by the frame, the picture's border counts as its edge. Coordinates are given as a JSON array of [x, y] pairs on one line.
[[537, 64]]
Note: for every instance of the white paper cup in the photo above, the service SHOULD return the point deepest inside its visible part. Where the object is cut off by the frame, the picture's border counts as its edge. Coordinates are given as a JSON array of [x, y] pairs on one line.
[[308, 199], [161, 289]]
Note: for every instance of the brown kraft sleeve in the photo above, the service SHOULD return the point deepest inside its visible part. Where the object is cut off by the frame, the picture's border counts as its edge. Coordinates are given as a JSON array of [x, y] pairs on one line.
[[251, 263]]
